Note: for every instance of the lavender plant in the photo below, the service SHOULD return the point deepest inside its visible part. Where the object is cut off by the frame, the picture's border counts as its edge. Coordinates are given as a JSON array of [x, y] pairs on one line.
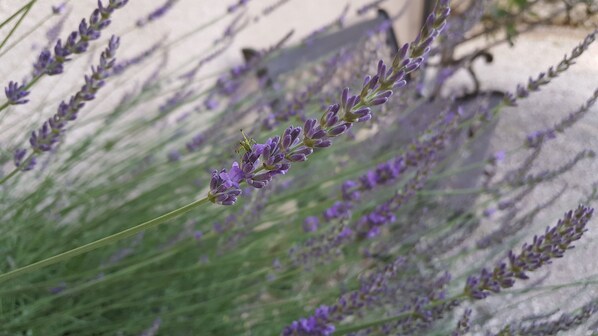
[[364, 195]]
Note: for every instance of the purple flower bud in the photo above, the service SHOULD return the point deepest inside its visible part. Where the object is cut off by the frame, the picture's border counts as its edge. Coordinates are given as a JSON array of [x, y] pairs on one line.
[[378, 101], [338, 130], [323, 144], [311, 224]]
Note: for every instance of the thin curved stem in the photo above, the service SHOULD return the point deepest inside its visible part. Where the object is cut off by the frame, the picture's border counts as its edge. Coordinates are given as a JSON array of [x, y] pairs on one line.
[[7, 177], [103, 241], [27, 8]]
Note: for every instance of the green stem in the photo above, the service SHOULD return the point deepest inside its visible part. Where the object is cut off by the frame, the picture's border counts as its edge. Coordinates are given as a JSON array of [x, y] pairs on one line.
[[14, 15], [24, 36], [102, 242], [7, 177], [27, 9]]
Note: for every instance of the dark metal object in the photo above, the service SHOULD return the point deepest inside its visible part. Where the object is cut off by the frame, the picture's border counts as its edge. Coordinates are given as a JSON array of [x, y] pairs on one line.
[[293, 58]]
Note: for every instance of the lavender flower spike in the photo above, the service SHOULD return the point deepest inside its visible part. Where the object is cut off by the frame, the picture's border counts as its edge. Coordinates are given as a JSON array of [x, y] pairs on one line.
[[78, 41], [541, 251], [44, 139], [236, 6], [16, 93], [261, 162], [156, 13], [523, 91], [21, 162]]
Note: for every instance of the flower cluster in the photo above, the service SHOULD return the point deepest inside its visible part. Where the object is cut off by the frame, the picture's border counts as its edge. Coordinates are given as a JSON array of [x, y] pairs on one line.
[[370, 224], [44, 139], [261, 162], [78, 41], [317, 324], [541, 251], [16, 93]]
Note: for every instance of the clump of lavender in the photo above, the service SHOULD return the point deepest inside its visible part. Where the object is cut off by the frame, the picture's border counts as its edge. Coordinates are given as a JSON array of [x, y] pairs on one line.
[[552, 244], [156, 13], [49, 134], [261, 162]]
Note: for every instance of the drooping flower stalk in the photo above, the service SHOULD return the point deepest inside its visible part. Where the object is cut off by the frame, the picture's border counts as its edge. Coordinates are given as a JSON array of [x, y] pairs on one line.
[[261, 162]]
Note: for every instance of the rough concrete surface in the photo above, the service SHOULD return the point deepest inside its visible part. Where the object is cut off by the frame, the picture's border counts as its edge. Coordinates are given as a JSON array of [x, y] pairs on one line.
[[532, 54]]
